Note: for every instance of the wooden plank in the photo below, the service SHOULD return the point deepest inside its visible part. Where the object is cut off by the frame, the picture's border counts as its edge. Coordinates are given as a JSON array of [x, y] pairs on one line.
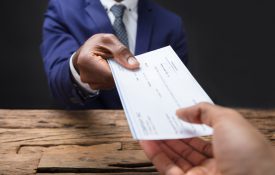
[[84, 119], [26, 136], [61, 119], [264, 120], [64, 136], [103, 158], [90, 118], [16, 138], [13, 164], [127, 173]]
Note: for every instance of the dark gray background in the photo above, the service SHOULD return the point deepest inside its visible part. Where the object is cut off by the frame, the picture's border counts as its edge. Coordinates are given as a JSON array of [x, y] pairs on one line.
[[231, 48]]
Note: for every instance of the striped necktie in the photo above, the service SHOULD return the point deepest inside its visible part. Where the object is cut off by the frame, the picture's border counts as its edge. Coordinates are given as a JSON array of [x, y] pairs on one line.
[[118, 26]]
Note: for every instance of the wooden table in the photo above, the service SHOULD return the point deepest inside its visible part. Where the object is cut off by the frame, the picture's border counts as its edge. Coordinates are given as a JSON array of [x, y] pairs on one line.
[[82, 142]]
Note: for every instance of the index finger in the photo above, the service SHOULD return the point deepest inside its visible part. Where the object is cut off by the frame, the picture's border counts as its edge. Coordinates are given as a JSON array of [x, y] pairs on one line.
[[206, 113]]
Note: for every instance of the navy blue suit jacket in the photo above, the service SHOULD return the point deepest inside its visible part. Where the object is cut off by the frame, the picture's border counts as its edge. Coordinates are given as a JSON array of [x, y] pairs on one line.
[[69, 23]]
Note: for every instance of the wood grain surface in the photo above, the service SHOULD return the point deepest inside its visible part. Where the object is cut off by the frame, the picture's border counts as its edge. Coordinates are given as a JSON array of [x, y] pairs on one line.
[[48, 142]]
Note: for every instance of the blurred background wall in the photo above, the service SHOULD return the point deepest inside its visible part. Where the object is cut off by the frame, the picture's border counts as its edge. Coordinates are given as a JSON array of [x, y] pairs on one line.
[[231, 50]]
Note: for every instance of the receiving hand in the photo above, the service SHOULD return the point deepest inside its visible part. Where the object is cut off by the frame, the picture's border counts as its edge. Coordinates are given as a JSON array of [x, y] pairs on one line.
[[237, 148], [90, 60]]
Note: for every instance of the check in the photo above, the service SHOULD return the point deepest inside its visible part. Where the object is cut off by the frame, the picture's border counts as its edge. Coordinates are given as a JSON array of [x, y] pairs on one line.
[[151, 95]]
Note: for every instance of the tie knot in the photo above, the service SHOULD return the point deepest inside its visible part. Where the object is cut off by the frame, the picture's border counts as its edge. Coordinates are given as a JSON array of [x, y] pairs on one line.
[[118, 10]]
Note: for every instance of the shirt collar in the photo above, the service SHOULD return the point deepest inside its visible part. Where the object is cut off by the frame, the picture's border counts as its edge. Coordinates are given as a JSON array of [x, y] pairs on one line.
[[129, 4]]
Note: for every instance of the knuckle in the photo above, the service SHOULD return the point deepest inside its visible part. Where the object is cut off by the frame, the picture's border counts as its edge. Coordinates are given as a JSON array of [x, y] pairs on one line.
[[106, 38], [97, 35], [92, 39], [204, 104], [102, 38], [122, 48], [231, 112]]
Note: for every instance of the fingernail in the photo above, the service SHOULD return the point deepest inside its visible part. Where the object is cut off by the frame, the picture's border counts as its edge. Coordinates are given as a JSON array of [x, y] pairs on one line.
[[132, 61]]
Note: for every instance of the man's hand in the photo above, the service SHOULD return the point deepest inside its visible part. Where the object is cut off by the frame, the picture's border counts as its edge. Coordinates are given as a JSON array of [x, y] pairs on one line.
[[90, 60], [238, 148]]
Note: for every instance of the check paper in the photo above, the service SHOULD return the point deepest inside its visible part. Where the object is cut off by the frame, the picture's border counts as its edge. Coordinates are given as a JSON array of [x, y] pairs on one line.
[[151, 95]]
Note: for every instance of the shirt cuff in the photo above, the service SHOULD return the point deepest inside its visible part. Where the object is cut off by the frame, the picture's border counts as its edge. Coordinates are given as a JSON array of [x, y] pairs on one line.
[[76, 76]]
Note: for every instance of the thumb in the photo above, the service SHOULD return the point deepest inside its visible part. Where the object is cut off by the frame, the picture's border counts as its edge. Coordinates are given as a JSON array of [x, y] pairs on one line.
[[123, 55], [202, 113], [109, 46]]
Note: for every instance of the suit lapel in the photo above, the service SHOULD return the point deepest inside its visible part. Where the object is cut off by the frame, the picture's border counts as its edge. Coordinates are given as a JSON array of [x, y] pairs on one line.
[[98, 14], [144, 27]]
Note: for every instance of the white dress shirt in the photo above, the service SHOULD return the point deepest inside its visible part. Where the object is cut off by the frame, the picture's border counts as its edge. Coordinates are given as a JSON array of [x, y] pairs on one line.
[[130, 19]]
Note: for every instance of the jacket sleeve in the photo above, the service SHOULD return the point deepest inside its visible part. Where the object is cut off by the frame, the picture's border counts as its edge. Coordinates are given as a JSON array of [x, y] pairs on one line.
[[57, 47]]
